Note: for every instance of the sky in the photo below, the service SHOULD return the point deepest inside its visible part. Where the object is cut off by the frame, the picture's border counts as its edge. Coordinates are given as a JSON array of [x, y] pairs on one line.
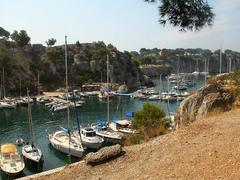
[[127, 24]]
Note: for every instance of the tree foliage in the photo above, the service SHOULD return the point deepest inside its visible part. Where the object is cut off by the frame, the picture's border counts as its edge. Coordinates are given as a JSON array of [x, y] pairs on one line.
[[21, 38], [4, 33], [186, 14], [51, 42], [150, 116], [78, 45]]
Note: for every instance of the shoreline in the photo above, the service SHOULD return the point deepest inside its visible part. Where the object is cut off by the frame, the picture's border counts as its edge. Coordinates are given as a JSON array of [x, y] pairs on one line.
[[47, 173], [202, 150]]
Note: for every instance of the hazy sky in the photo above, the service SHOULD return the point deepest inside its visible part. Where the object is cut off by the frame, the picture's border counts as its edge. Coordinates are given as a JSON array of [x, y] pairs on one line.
[[127, 24]]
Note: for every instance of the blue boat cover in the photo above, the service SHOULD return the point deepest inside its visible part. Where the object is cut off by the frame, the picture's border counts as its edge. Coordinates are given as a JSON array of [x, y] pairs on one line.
[[65, 129], [130, 114], [105, 89], [102, 123]]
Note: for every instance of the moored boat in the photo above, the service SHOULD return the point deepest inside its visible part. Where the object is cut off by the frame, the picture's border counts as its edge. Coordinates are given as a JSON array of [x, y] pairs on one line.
[[10, 160], [89, 138], [64, 141], [106, 133]]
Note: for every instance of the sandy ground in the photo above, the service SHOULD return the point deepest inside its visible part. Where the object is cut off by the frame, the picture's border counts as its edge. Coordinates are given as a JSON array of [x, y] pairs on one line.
[[206, 149]]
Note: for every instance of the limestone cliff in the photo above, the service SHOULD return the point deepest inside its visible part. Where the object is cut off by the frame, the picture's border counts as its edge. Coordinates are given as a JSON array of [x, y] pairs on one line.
[[214, 96]]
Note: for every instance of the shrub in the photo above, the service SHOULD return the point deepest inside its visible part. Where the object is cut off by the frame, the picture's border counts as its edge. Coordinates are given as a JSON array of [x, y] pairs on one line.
[[151, 116], [133, 139], [149, 122]]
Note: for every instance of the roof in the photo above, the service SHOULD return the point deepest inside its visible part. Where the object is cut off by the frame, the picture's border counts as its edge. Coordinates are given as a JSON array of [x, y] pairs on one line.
[[8, 148]]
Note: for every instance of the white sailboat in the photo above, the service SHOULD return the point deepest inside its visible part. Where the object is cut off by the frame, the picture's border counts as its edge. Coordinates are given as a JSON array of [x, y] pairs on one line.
[[63, 139], [30, 151], [102, 128], [6, 103], [11, 162]]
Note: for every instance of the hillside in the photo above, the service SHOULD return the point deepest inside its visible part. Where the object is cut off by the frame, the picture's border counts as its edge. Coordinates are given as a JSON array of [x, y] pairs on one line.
[[206, 149], [86, 63]]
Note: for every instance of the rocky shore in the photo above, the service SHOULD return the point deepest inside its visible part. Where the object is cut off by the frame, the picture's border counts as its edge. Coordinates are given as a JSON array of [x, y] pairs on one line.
[[206, 149]]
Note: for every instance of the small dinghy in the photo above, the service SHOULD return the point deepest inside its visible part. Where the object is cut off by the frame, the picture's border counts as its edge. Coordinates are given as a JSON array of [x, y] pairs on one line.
[[19, 142]]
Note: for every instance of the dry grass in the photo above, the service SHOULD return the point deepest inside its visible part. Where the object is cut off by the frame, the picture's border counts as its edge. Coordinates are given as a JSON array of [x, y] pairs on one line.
[[144, 135]]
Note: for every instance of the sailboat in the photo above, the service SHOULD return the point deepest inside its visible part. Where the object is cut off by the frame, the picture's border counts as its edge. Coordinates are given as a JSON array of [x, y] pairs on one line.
[[102, 127], [5, 103], [63, 139], [30, 151]]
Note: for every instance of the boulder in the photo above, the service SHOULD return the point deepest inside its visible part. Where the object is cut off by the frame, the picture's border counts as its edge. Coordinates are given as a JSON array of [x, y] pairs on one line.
[[199, 104], [104, 154]]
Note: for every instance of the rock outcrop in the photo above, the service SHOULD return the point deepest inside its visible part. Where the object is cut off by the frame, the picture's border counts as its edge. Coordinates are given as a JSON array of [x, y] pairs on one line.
[[214, 96], [104, 154]]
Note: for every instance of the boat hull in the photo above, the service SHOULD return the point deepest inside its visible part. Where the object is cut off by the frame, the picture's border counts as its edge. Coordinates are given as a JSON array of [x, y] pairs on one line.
[[92, 145], [65, 150], [33, 157], [75, 148], [108, 139]]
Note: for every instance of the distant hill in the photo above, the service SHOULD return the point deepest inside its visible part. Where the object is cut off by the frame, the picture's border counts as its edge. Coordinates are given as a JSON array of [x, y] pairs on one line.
[[185, 60]]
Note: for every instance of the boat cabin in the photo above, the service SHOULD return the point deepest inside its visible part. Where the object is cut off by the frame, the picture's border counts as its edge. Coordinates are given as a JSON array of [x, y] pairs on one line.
[[88, 132]]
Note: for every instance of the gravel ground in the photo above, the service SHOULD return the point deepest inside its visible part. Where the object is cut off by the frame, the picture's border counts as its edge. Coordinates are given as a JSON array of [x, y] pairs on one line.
[[206, 149]]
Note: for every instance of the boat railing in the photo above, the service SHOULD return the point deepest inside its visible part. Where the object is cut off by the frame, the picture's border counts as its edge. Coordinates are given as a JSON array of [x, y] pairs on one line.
[[51, 128]]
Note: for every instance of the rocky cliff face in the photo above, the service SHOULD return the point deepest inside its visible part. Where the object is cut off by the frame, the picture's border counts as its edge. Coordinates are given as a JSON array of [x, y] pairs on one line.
[[156, 70], [214, 96], [121, 70]]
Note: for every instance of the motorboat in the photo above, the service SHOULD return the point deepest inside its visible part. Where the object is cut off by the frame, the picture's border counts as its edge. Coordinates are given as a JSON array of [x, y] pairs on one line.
[[8, 105], [89, 138], [11, 162], [107, 133], [122, 126], [154, 97]]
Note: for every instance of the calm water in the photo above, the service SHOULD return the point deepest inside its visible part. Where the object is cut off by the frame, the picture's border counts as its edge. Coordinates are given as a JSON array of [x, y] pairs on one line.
[[14, 123]]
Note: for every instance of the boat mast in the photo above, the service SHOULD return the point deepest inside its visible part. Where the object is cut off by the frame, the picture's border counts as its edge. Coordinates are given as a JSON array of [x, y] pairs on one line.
[[30, 119], [68, 113], [160, 81], [76, 111], [220, 68], [230, 64], [205, 71], [20, 88], [108, 89], [1, 89], [3, 81], [178, 78], [38, 83]]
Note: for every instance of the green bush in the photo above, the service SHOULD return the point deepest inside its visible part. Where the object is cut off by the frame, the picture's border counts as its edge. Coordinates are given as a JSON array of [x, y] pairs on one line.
[[150, 116]]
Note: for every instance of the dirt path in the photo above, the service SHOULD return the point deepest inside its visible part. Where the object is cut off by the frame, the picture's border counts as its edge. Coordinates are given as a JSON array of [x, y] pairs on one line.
[[207, 149]]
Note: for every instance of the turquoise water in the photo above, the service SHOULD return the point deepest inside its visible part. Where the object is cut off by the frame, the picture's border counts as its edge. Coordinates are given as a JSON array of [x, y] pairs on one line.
[[14, 123]]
